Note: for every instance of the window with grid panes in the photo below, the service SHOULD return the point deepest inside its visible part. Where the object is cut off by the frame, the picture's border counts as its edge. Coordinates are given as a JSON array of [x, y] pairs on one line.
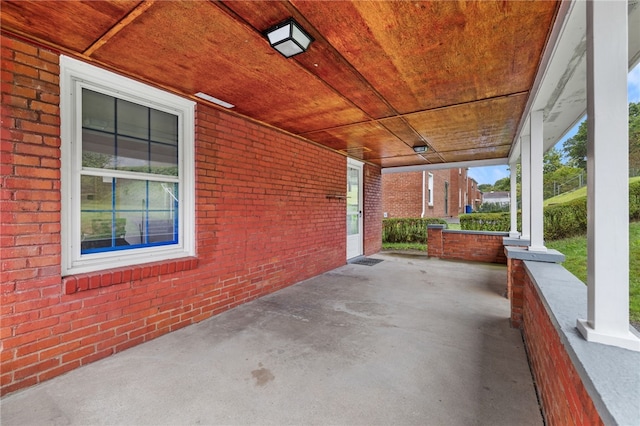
[[127, 170]]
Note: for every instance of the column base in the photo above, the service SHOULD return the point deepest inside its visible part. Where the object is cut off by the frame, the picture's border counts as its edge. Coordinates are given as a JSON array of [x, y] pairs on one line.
[[630, 340]]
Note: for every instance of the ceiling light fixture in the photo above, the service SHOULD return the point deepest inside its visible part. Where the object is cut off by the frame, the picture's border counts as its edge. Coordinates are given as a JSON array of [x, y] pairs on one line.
[[214, 100], [420, 149], [288, 38]]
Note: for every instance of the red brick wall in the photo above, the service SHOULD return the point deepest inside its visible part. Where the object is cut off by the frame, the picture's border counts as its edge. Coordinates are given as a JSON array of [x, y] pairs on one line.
[[471, 246], [516, 274], [454, 194], [372, 209], [402, 193], [440, 178], [263, 222], [564, 398]]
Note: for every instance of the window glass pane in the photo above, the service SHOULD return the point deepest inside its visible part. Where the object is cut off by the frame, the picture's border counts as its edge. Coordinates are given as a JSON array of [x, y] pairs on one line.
[[163, 204], [98, 149], [96, 193], [164, 127], [133, 154], [162, 196], [164, 159], [131, 195], [161, 227], [133, 119], [131, 205], [149, 209], [96, 212], [353, 185], [143, 213], [353, 224], [98, 111]]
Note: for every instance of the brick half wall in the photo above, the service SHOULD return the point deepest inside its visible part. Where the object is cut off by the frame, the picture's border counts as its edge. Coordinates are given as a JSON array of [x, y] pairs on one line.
[[475, 246], [563, 396], [578, 382]]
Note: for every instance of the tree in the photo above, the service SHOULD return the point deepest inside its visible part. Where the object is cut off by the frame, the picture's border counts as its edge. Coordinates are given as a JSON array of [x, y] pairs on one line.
[[575, 148], [503, 184], [563, 179], [552, 161]]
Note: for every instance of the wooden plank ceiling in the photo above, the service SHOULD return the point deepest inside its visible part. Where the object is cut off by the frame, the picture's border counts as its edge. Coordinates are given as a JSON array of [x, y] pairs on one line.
[[380, 78]]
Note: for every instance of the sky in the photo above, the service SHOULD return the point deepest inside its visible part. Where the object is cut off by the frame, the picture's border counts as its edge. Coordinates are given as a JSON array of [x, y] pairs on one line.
[[491, 174]]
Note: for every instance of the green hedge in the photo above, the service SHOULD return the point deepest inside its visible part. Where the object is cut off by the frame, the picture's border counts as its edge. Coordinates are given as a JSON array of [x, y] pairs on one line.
[[407, 230], [560, 220], [634, 201], [566, 219], [485, 221]]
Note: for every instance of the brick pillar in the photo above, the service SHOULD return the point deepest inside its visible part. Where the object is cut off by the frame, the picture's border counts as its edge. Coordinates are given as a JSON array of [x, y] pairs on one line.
[[434, 240]]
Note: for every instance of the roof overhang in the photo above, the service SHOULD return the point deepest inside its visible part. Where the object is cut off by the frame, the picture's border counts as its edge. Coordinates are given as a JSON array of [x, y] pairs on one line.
[[560, 89]]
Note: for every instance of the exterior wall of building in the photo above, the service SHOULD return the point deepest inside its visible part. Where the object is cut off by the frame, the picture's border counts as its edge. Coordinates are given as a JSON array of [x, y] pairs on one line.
[[456, 198], [402, 194], [453, 190], [501, 197], [475, 195], [263, 222]]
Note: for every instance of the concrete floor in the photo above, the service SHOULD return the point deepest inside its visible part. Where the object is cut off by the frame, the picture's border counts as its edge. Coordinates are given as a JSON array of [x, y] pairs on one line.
[[409, 341]]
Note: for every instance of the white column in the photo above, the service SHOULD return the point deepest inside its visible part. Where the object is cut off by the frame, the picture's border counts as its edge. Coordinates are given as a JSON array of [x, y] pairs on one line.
[[607, 177], [525, 169], [513, 200], [537, 211]]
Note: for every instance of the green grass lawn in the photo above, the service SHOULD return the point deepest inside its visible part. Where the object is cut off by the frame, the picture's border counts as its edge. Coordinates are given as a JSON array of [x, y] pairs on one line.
[[580, 192], [404, 246], [575, 250]]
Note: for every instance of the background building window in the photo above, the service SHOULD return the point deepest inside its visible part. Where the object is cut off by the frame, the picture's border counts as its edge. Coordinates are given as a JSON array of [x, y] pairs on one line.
[[430, 186]]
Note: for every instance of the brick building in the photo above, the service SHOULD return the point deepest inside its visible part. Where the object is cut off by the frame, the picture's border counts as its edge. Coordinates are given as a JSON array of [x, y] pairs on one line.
[[434, 193]]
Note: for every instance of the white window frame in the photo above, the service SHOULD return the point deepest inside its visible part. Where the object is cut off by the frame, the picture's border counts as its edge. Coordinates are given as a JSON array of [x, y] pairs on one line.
[[74, 76], [430, 189]]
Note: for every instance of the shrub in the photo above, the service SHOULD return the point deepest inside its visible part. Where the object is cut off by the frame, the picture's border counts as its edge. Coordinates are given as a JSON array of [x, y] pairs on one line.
[[570, 219], [485, 222], [407, 230], [560, 220], [566, 219], [634, 201]]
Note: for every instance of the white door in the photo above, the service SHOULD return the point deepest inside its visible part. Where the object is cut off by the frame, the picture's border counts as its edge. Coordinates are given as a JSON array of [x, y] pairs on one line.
[[354, 208]]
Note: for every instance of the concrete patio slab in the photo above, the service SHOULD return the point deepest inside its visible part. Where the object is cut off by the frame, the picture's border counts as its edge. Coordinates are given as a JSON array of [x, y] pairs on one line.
[[408, 341]]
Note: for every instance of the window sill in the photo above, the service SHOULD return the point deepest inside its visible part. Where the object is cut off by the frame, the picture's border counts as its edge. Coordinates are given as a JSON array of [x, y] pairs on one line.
[[92, 280]]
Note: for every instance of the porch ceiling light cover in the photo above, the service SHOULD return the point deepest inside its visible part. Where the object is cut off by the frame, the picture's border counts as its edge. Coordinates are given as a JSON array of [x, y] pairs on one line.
[[420, 149], [288, 38]]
